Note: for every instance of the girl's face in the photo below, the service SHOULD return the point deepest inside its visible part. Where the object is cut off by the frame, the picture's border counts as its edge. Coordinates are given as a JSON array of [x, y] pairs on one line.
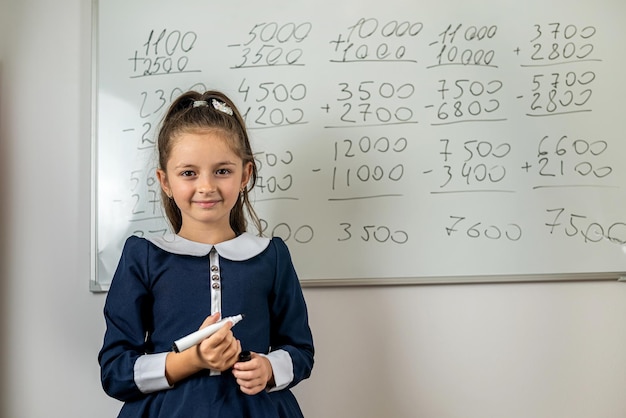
[[204, 177]]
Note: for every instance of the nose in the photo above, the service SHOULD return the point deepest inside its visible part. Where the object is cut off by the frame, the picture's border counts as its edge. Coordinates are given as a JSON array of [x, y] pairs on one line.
[[206, 184]]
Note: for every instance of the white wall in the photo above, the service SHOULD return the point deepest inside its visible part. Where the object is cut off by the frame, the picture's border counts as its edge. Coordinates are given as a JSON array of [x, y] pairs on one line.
[[545, 350]]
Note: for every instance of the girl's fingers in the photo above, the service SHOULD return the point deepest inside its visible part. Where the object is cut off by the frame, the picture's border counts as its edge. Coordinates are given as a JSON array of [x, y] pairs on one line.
[[211, 319], [252, 376]]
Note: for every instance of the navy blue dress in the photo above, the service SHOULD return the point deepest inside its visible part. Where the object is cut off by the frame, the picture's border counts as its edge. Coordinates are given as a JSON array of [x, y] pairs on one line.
[[163, 289]]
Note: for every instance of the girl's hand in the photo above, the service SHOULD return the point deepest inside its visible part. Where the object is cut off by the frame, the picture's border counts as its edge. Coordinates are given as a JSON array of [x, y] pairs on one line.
[[255, 375], [220, 351]]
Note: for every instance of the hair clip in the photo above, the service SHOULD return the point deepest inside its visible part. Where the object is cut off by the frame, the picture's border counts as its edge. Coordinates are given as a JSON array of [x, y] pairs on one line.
[[200, 103], [222, 107]]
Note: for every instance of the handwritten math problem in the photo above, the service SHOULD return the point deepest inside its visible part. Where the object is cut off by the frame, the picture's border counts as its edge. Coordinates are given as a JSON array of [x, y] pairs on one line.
[[420, 141]]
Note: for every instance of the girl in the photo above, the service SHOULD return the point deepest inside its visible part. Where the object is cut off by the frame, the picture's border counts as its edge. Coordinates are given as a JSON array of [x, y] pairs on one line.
[[165, 288]]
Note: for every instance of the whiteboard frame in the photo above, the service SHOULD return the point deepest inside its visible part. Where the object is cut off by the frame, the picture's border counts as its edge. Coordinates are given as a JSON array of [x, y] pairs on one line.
[[94, 283], [97, 286], [493, 279]]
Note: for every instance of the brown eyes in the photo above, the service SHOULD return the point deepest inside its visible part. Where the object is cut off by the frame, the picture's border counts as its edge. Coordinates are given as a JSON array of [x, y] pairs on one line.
[[219, 172]]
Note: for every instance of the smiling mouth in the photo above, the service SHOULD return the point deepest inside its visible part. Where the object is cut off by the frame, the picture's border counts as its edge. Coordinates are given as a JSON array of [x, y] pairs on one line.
[[207, 204]]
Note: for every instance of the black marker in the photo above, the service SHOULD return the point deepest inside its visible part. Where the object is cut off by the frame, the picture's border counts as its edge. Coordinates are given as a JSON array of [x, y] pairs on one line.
[[245, 356]]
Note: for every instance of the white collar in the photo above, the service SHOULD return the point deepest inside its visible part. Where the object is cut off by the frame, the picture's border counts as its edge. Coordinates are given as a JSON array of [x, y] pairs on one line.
[[240, 248]]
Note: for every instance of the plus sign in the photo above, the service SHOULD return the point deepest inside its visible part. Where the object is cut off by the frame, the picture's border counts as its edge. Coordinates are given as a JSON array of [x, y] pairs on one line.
[[338, 42]]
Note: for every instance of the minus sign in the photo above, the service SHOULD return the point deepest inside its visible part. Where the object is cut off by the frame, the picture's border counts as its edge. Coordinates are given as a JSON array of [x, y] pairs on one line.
[[315, 170], [520, 97], [433, 43], [232, 46], [428, 106], [128, 130], [427, 171]]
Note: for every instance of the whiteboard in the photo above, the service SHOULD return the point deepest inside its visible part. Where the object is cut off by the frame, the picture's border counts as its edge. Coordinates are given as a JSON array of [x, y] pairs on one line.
[[398, 142]]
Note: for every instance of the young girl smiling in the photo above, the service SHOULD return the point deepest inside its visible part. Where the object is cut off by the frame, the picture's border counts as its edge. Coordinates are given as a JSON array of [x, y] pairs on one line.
[[167, 287]]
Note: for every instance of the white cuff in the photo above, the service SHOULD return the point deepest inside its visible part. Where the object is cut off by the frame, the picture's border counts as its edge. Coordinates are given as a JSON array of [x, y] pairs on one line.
[[149, 373], [282, 368]]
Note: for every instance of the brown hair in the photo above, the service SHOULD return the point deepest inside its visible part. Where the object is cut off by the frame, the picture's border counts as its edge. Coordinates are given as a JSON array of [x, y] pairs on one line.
[[183, 116]]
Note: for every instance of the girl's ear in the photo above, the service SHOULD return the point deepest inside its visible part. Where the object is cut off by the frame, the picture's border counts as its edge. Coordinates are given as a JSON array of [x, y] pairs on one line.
[[247, 173], [163, 181]]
